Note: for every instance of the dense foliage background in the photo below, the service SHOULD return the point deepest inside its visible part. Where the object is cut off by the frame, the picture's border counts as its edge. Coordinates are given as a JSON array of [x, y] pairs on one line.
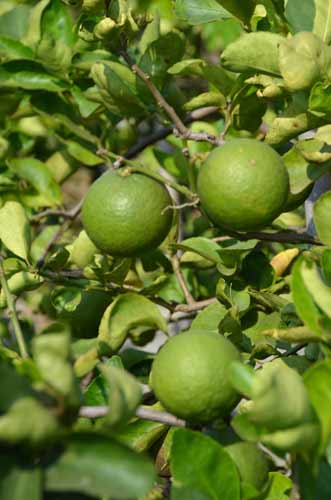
[[87, 86]]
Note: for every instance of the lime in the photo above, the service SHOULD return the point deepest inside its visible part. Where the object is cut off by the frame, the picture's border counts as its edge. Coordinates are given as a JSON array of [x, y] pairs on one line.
[[251, 462], [190, 376], [125, 214], [243, 185]]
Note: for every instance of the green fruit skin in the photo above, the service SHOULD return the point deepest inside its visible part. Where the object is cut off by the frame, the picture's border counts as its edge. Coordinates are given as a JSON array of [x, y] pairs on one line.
[[124, 215], [190, 376], [243, 185], [85, 319], [251, 462]]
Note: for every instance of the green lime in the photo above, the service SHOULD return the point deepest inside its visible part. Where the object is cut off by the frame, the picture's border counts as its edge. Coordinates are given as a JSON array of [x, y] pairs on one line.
[[243, 185], [125, 214], [251, 462], [190, 376], [85, 319]]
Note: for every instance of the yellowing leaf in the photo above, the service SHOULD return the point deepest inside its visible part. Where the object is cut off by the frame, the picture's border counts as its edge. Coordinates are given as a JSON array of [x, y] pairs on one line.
[[282, 260], [15, 229]]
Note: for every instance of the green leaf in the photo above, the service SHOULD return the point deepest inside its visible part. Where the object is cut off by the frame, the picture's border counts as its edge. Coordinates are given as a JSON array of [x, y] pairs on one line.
[[314, 482], [242, 10], [257, 270], [208, 319], [117, 84], [301, 173], [16, 386], [82, 154], [158, 57], [202, 246], [304, 302], [15, 229], [97, 465], [40, 178], [326, 266], [124, 394], [322, 220], [14, 75], [317, 380], [279, 488], [14, 20], [140, 434], [126, 312], [320, 292], [195, 12], [18, 482], [200, 463]]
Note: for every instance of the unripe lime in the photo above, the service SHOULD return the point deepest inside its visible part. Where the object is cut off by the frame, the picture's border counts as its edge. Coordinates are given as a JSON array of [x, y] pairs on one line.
[[243, 185], [251, 462], [125, 215], [190, 376]]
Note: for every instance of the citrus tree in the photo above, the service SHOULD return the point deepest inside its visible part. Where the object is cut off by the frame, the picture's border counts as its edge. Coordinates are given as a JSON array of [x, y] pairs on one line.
[[155, 159]]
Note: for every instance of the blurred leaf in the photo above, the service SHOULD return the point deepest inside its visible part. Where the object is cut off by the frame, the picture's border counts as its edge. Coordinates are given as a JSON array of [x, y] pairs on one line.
[[97, 465], [310, 15], [124, 394], [15, 229], [16, 75], [18, 482], [200, 463], [40, 178], [82, 154], [16, 386], [51, 353], [125, 312], [14, 20], [41, 425], [322, 220], [13, 49], [317, 380], [194, 12]]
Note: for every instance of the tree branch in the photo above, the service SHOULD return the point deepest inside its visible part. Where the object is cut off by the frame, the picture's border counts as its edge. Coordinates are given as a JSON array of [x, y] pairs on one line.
[[198, 114], [196, 306], [278, 237], [180, 126], [67, 214], [181, 280], [141, 412]]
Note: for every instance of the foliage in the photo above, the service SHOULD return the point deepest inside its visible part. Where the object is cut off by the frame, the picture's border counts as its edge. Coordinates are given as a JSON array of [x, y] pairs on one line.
[[91, 85]]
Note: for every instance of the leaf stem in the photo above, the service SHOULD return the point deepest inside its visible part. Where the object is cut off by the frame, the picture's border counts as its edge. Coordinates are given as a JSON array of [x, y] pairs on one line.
[[14, 318]]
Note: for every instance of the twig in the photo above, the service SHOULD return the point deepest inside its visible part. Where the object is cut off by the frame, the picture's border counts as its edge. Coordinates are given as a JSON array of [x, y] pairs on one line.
[[14, 318], [67, 214], [196, 306], [181, 280], [141, 412], [74, 213], [180, 126], [178, 187], [278, 237], [198, 114], [183, 205]]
